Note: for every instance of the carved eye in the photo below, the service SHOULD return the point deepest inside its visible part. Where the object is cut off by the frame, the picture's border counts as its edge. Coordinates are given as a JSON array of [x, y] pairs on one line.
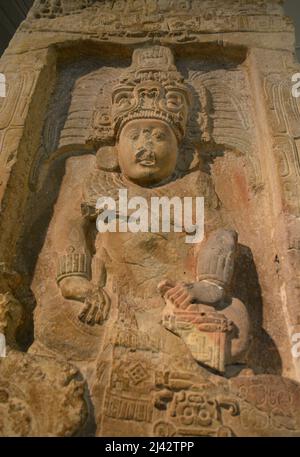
[[153, 93], [174, 101], [148, 93], [159, 135], [134, 135], [123, 100]]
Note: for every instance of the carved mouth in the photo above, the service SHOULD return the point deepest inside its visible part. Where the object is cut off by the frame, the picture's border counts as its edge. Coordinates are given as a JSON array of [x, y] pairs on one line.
[[146, 158]]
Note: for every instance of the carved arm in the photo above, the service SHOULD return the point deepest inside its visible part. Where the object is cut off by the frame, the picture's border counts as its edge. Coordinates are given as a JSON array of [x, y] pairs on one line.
[[215, 266]]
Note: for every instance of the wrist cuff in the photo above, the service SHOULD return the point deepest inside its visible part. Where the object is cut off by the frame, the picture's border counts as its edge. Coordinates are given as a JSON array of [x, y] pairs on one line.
[[73, 264]]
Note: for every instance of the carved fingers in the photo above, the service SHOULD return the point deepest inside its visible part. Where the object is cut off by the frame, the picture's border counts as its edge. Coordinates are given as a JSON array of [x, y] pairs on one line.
[[179, 294], [96, 308], [164, 286]]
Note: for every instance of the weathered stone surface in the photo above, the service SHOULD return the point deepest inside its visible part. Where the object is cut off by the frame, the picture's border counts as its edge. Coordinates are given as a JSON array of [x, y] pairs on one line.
[[142, 334], [40, 397]]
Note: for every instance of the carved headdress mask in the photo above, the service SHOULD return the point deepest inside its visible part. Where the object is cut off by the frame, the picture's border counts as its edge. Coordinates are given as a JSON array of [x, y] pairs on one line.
[[151, 88]]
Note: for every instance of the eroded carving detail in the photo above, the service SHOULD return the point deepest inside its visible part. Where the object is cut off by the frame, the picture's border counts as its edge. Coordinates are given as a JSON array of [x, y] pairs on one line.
[[156, 334]]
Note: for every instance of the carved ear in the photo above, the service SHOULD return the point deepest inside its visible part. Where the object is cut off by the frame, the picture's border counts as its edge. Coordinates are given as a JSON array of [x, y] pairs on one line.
[[107, 158]]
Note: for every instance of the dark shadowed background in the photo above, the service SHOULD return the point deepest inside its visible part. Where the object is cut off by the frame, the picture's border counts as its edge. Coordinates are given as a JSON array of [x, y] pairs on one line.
[[12, 12]]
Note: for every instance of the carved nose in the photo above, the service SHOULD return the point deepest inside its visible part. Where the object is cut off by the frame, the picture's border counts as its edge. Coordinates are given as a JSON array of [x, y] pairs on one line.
[[141, 152], [144, 154]]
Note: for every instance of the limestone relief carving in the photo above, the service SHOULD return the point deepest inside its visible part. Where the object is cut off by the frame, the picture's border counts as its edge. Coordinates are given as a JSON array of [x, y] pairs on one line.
[[138, 332]]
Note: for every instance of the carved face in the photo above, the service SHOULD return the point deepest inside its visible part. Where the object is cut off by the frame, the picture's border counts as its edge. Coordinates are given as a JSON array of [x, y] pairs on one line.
[[147, 151]]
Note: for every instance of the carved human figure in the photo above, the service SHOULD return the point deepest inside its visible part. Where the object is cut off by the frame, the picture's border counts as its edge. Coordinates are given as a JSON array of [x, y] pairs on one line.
[[150, 109]]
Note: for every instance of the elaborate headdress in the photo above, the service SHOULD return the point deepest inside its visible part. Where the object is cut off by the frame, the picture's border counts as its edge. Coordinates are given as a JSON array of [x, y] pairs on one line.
[[151, 88]]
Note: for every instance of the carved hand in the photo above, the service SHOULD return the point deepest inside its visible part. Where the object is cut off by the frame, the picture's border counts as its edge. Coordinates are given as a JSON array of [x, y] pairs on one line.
[[96, 307], [183, 294], [180, 294]]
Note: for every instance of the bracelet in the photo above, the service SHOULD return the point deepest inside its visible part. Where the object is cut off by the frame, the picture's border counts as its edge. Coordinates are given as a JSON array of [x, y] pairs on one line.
[[73, 264]]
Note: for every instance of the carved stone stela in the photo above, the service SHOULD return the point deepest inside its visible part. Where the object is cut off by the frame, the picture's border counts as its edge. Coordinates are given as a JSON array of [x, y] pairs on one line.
[[143, 334]]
